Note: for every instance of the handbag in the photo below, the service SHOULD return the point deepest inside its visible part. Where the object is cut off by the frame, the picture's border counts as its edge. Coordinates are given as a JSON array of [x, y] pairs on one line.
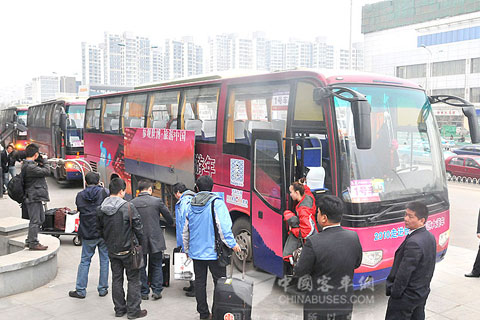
[[136, 250], [224, 252]]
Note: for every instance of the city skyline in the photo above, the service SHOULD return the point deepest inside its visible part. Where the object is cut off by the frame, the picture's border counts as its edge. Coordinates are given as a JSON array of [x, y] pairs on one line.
[[33, 40]]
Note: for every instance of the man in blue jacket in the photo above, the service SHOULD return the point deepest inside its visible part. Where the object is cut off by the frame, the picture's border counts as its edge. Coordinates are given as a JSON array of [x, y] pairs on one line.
[[199, 238], [184, 197], [87, 202]]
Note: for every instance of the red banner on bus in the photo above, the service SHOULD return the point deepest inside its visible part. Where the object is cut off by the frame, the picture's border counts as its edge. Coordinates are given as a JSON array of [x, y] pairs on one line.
[[165, 155]]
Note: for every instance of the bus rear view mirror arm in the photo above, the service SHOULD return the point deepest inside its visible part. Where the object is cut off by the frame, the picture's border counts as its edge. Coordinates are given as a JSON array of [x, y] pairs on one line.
[[467, 108], [361, 110]]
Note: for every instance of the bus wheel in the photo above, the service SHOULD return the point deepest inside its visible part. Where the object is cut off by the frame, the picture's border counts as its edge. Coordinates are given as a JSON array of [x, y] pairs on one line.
[[77, 241], [243, 235], [469, 180]]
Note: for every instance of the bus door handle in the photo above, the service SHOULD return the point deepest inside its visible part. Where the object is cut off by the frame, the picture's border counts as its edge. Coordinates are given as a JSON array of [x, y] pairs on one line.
[[260, 214]]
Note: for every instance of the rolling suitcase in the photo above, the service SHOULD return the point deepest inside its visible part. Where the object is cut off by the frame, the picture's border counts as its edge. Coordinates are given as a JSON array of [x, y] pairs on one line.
[[232, 298]]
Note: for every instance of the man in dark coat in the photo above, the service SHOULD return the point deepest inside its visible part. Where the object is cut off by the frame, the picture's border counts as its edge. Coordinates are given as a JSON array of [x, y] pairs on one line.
[[408, 283], [330, 258], [87, 202], [35, 170], [476, 266], [150, 209], [114, 226]]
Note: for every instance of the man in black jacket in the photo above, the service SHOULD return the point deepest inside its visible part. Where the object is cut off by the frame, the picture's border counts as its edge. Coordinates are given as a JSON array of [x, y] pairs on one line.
[[330, 258], [87, 202], [114, 226], [36, 192], [150, 209], [408, 283], [476, 266]]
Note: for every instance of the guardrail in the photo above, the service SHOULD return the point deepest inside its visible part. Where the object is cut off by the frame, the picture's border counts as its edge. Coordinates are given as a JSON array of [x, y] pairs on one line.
[[81, 164]]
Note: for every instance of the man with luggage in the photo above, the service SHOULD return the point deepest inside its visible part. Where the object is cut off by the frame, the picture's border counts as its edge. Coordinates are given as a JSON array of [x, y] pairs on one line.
[[151, 209], [330, 258], [35, 170], [184, 197], [87, 202], [199, 238], [118, 224]]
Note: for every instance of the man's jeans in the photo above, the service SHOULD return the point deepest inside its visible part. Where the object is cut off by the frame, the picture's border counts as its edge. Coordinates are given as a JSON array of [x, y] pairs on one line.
[[88, 250], [12, 171], [155, 273], [134, 297]]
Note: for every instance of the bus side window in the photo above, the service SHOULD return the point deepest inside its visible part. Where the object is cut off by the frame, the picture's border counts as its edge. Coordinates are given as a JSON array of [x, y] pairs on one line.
[[163, 109], [200, 112], [92, 115], [257, 107], [111, 115], [134, 111]]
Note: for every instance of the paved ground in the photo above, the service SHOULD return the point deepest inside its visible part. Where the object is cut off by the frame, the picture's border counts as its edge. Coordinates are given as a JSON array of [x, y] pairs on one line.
[[453, 296]]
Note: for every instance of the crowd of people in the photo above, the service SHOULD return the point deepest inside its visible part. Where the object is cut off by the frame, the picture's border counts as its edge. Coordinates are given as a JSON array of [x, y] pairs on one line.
[[328, 251]]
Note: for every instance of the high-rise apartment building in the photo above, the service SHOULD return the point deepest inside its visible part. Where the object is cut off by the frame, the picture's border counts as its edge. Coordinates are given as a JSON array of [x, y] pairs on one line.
[[157, 71], [220, 53], [275, 55], [44, 88], [322, 54], [92, 64]]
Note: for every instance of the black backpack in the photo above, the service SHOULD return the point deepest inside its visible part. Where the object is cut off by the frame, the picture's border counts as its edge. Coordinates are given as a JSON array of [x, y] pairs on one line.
[[15, 188]]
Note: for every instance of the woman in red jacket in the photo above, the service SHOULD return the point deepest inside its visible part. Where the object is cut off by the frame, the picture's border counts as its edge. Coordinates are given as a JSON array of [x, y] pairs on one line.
[[302, 223]]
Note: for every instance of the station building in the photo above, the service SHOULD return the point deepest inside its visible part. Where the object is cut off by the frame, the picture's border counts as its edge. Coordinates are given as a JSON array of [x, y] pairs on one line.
[[435, 43]]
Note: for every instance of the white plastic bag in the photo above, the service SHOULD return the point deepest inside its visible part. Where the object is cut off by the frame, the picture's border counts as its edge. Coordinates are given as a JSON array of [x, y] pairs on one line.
[[183, 268], [70, 222]]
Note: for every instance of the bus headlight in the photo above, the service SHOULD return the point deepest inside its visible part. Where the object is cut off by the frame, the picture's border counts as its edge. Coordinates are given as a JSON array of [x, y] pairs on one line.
[[372, 258], [443, 238], [71, 165]]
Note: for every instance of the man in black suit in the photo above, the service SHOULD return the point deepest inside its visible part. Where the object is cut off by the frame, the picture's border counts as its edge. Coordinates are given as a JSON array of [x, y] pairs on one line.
[[408, 283], [476, 266], [330, 258]]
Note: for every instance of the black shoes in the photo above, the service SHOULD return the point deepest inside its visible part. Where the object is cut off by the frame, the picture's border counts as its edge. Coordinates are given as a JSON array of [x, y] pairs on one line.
[[144, 296], [188, 289], [140, 314], [472, 275], [103, 294], [156, 296], [119, 314], [74, 294], [209, 316], [190, 294]]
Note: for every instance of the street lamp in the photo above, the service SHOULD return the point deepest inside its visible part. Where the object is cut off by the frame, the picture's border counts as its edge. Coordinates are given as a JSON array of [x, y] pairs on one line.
[[428, 69]]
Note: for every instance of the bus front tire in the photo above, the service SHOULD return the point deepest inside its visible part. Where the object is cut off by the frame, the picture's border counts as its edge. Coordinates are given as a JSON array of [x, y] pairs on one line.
[[242, 231]]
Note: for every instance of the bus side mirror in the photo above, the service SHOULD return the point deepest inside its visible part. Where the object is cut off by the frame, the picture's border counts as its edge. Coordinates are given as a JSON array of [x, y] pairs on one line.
[[63, 122], [361, 110], [471, 115]]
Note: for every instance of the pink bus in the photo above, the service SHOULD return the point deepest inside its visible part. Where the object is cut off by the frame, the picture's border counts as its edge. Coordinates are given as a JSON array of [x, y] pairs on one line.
[[256, 134]]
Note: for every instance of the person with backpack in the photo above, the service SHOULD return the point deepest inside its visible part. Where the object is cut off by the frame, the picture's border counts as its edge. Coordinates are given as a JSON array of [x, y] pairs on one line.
[[87, 201], [34, 171], [184, 197], [199, 238], [120, 225]]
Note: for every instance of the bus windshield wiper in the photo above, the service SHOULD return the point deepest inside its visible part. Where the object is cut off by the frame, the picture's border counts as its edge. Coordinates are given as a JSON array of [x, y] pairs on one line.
[[384, 212]]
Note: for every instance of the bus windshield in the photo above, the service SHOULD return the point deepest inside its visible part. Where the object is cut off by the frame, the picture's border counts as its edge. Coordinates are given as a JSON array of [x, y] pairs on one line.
[[76, 115], [405, 158], [22, 117]]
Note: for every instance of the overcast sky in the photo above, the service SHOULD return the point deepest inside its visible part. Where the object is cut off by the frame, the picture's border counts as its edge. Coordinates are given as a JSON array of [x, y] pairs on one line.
[[42, 37]]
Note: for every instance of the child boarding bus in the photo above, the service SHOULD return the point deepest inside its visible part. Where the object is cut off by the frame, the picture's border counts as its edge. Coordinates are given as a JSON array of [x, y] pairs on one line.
[[8, 118], [56, 126], [256, 134]]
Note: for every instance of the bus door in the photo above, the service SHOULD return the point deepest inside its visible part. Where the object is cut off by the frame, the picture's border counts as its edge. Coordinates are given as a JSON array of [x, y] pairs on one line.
[[58, 139], [267, 200]]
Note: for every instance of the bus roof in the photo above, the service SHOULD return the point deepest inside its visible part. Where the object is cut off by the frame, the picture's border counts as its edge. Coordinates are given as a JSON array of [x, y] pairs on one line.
[[328, 76], [66, 100]]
